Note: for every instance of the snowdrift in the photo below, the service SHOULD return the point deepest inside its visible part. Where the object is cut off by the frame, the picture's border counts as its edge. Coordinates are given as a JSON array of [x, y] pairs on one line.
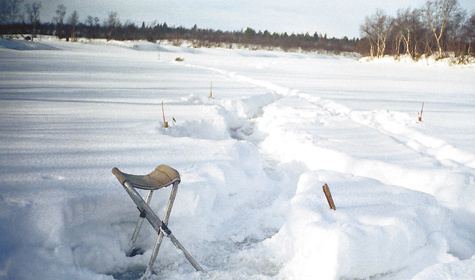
[[377, 230], [23, 45]]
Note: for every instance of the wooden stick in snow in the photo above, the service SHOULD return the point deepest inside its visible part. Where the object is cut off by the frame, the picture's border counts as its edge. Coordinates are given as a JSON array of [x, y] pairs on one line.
[[210, 90], [420, 114], [328, 195], [165, 124]]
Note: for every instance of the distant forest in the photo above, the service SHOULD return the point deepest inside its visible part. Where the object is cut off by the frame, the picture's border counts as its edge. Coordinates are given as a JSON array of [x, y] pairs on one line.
[[16, 18], [439, 28]]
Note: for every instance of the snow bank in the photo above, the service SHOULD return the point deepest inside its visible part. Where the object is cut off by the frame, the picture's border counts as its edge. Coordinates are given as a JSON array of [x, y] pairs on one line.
[[376, 230], [433, 60], [456, 270], [23, 45]]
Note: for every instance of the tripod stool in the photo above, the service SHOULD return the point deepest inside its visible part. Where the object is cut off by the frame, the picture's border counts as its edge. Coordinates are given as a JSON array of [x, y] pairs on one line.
[[163, 176]]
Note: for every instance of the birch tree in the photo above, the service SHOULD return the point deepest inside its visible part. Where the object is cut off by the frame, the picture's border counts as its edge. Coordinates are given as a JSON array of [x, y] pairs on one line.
[[469, 32], [437, 15], [408, 29], [376, 29]]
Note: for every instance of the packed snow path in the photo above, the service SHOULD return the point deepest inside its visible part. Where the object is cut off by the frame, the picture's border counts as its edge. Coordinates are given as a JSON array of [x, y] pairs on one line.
[[323, 135], [252, 159], [344, 155]]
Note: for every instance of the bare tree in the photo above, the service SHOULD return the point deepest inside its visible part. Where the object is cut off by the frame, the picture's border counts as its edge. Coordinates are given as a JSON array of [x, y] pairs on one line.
[[454, 40], [408, 30], [437, 15], [376, 29], [10, 11], [403, 30], [368, 31], [33, 13], [90, 25], [93, 26], [59, 19], [90, 20], [73, 20], [112, 23], [3, 11], [469, 33]]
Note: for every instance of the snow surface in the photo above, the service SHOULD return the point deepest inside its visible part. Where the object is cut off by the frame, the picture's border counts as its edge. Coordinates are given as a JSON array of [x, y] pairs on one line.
[[252, 160]]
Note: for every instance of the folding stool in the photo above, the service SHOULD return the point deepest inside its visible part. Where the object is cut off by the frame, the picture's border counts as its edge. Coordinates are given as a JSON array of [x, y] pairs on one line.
[[162, 176]]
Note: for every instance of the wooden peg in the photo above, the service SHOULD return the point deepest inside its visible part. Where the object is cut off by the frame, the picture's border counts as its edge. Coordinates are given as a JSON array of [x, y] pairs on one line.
[[328, 195], [165, 123], [420, 114]]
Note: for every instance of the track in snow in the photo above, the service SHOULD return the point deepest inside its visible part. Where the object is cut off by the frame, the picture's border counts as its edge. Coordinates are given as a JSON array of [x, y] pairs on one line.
[[446, 161]]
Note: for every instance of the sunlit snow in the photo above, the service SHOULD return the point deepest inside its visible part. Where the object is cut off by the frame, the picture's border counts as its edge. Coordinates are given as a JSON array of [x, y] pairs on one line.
[[252, 160]]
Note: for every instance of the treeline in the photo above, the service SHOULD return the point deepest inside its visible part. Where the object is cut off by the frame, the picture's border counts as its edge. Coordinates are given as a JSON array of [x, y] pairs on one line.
[[439, 28], [265, 40], [16, 18]]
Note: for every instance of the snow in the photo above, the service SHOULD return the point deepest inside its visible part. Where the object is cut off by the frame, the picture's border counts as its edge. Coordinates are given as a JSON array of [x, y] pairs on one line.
[[252, 160]]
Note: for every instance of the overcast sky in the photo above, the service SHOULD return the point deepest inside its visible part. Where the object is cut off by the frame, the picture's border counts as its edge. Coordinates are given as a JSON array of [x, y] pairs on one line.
[[336, 18]]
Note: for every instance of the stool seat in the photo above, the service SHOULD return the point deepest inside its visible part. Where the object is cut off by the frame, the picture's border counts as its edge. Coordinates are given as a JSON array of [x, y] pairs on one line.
[[162, 176]]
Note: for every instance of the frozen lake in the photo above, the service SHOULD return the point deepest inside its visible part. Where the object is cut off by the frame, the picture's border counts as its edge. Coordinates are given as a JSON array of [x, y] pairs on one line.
[[252, 160]]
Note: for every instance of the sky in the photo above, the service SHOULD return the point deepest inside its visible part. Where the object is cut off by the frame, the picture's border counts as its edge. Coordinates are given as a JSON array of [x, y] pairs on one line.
[[336, 18]]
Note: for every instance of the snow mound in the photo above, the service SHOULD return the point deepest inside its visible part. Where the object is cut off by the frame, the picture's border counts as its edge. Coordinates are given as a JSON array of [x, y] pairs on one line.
[[376, 230], [455, 270], [23, 45]]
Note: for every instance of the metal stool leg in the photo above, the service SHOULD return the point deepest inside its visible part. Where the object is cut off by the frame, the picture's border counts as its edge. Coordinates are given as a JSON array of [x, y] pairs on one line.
[[166, 217], [132, 250], [156, 223]]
